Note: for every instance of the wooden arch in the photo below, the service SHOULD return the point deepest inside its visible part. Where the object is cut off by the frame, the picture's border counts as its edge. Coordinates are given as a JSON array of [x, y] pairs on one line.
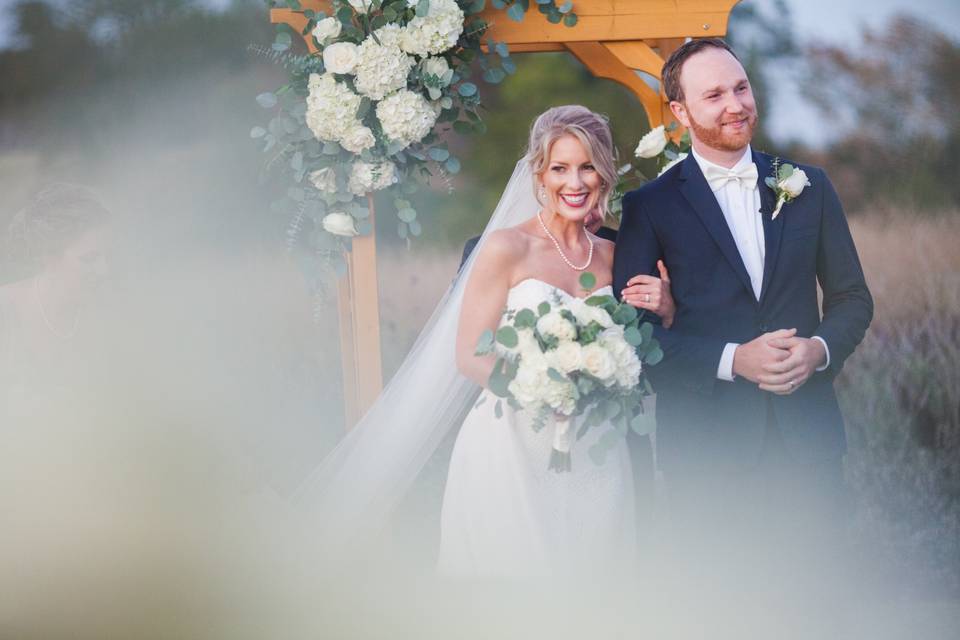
[[621, 40]]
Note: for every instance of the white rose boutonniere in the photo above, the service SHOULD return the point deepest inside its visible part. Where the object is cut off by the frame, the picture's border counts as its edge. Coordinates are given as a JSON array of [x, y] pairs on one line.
[[326, 29], [652, 144], [339, 224], [787, 183], [341, 57]]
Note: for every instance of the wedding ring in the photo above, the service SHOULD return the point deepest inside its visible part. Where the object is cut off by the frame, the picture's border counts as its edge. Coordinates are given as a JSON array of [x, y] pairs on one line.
[[791, 383], [646, 298]]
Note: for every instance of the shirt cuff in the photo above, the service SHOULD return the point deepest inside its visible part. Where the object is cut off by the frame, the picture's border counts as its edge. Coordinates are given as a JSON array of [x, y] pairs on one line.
[[827, 350], [725, 370]]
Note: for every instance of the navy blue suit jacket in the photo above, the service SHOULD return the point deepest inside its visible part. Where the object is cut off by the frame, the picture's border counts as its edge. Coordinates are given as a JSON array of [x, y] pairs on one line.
[[707, 422]]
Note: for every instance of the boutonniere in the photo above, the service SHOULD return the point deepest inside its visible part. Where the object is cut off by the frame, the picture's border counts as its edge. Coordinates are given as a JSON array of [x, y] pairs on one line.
[[787, 183]]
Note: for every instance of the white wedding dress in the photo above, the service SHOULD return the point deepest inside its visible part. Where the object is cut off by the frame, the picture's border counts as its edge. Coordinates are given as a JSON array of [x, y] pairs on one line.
[[505, 514]]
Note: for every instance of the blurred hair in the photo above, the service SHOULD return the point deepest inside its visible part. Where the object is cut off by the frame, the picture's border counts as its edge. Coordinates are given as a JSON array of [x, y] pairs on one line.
[[674, 65], [593, 132], [56, 217]]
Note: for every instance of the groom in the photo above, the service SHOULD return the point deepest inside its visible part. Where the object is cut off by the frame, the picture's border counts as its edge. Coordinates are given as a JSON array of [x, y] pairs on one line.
[[749, 433]]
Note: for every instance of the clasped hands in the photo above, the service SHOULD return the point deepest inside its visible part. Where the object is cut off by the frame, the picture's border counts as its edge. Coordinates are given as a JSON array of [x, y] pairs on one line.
[[779, 361]]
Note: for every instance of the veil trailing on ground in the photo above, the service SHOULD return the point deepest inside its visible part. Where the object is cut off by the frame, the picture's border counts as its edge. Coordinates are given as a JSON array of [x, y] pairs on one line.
[[354, 490]]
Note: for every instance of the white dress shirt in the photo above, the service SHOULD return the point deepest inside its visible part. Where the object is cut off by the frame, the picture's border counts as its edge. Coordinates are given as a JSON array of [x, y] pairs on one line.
[[740, 204]]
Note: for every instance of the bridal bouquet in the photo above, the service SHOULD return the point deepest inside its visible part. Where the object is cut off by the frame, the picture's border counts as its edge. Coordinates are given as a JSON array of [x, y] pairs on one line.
[[576, 360]]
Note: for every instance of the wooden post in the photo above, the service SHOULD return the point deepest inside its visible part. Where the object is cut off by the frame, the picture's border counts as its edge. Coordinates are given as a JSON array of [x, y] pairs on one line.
[[358, 301]]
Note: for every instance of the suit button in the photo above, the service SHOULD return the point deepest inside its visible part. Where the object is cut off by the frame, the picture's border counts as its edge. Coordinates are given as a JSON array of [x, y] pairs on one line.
[[764, 328]]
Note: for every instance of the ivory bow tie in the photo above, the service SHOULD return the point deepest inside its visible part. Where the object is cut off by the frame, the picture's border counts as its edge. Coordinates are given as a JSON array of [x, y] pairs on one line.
[[718, 177]]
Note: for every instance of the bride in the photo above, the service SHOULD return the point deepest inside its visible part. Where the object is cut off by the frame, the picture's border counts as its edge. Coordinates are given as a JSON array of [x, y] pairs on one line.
[[504, 513]]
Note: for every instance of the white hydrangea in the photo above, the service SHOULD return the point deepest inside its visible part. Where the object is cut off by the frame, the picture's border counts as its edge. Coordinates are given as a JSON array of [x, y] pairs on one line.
[[331, 107], [627, 362], [389, 34], [381, 69], [366, 177], [406, 117], [559, 396], [358, 138], [554, 324], [434, 33], [527, 386]]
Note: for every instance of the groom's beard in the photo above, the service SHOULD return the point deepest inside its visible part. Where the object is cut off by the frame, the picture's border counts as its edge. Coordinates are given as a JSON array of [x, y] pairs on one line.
[[719, 137]]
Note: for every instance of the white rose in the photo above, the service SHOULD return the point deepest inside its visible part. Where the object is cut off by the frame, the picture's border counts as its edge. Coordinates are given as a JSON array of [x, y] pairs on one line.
[[795, 184], [680, 158], [652, 144], [360, 6], [441, 72], [566, 357], [357, 139], [325, 180], [341, 57], [326, 29], [598, 362], [553, 324], [339, 224]]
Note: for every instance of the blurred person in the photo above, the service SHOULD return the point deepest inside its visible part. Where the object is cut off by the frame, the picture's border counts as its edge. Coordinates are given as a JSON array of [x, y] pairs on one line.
[[750, 436], [58, 244]]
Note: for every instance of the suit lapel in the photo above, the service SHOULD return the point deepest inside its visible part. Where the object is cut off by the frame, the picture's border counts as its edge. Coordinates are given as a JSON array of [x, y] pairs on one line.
[[695, 189], [772, 229]]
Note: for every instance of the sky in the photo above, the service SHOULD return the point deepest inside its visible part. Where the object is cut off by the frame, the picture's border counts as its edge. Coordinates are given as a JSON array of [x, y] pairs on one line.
[[829, 21]]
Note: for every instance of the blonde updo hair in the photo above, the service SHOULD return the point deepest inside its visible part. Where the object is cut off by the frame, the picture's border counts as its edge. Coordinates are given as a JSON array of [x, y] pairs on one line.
[[593, 132], [56, 217]]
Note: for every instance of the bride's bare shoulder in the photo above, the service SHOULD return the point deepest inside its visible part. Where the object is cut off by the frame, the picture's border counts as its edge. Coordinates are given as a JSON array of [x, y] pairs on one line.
[[511, 242]]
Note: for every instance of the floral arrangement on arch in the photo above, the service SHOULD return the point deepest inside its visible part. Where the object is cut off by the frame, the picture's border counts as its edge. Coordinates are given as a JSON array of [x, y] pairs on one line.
[[369, 111]]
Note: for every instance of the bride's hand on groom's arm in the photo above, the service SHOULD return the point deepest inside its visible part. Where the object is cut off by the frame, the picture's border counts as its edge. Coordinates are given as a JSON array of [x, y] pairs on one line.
[[652, 294], [787, 375]]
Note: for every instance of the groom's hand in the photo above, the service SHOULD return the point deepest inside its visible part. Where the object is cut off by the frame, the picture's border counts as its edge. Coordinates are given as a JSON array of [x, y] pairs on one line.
[[750, 358], [786, 376]]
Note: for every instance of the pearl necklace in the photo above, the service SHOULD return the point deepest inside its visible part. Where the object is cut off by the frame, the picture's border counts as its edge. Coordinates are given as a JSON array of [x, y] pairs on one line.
[[556, 243], [46, 320]]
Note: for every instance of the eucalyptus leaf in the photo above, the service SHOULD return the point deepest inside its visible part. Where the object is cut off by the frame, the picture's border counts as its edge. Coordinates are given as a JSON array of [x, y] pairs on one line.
[[415, 228], [494, 76], [507, 336], [587, 280], [643, 424], [407, 214], [646, 331], [267, 100], [364, 227], [498, 409], [555, 375], [654, 356], [423, 8], [632, 336], [452, 165], [543, 308], [516, 12], [258, 132], [485, 343], [566, 7], [438, 153], [525, 319], [570, 20], [467, 89]]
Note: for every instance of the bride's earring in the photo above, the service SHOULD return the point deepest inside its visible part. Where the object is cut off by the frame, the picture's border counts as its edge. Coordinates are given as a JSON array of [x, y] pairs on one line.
[[541, 193]]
